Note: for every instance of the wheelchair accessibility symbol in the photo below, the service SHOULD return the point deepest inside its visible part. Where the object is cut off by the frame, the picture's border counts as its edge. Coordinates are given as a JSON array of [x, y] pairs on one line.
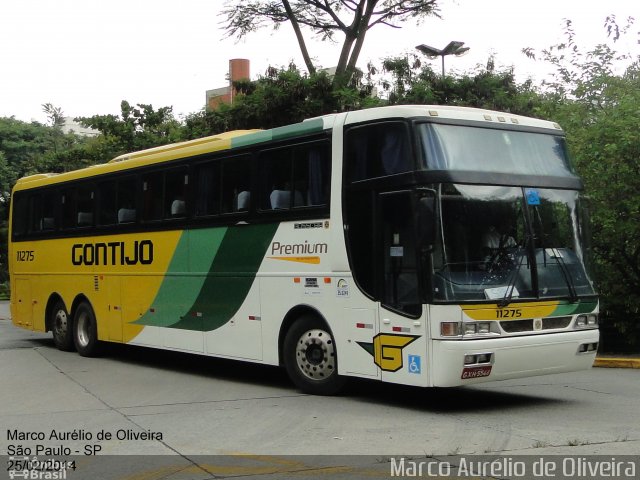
[[414, 364]]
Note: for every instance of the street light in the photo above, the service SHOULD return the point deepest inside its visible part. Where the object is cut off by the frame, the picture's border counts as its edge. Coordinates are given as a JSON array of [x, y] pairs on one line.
[[454, 48]]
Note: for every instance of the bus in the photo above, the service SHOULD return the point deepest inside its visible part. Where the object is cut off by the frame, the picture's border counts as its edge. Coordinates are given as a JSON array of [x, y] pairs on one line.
[[419, 245]]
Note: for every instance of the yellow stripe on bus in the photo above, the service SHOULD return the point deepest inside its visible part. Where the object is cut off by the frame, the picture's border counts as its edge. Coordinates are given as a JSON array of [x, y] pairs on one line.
[[513, 311]]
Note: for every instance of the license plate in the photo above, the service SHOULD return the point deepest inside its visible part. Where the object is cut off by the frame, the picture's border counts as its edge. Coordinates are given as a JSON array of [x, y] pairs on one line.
[[475, 372]]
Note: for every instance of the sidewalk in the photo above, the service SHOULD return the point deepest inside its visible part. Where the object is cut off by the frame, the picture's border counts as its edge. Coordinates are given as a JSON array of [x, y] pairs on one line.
[[622, 361]]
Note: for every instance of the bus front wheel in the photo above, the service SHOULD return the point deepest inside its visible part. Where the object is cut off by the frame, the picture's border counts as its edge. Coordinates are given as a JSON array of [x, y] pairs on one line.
[[310, 357], [85, 331], [61, 327]]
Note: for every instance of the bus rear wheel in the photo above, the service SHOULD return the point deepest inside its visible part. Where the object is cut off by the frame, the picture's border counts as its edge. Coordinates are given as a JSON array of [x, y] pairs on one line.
[[310, 357], [61, 327], [85, 331]]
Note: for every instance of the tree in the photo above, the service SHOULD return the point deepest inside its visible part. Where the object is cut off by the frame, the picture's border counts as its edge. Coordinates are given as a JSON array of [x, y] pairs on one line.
[[598, 108], [350, 18], [281, 97], [412, 82], [138, 127], [55, 115], [27, 147]]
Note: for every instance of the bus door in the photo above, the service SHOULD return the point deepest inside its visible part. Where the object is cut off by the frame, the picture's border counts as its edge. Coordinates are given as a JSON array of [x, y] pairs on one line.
[[400, 348], [23, 303]]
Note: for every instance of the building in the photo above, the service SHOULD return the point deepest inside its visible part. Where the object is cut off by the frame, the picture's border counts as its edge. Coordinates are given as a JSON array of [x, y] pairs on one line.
[[69, 125], [239, 69]]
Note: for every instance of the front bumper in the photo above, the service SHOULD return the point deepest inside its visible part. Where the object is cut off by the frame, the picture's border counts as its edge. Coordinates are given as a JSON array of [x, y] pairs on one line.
[[513, 357]]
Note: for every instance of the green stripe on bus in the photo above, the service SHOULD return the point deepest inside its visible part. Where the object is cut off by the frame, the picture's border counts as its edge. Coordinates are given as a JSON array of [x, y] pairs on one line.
[[251, 138], [279, 133], [565, 308], [232, 273], [309, 126], [232, 257], [180, 288]]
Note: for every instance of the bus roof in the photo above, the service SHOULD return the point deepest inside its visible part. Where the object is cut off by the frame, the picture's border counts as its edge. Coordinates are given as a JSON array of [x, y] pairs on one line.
[[449, 113], [242, 138]]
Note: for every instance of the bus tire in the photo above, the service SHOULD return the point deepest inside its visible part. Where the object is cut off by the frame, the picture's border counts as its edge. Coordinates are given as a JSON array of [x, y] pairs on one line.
[[85, 331], [61, 327], [310, 357]]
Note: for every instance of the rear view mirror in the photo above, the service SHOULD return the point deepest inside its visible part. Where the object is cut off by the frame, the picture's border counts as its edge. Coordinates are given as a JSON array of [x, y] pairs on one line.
[[426, 217]]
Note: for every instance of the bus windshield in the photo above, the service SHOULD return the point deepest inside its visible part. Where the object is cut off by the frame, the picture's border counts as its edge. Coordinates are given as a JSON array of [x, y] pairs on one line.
[[463, 148], [499, 243]]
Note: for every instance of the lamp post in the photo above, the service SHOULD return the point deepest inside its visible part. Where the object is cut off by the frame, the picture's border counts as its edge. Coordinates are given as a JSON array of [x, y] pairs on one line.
[[454, 48]]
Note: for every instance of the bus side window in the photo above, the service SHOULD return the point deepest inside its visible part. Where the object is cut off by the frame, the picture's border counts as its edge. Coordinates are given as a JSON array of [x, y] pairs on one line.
[[236, 184], [20, 205], [175, 193], [126, 200], [275, 179], [85, 206], [107, 200], [68, 204], [377, 150], [152, 196], [77, 206], [42, 212], [208, 189], [311, 176], [294, 177]]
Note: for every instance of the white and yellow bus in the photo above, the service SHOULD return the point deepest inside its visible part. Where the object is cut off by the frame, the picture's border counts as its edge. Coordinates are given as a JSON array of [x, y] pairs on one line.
[[420, 245]]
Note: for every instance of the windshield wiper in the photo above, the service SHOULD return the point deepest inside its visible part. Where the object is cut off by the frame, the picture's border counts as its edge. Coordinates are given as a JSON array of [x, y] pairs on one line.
[[513, 278], [557, 255]]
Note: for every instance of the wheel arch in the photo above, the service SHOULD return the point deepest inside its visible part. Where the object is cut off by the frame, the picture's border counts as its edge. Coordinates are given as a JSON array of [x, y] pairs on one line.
[[290, 318], [81, 297]]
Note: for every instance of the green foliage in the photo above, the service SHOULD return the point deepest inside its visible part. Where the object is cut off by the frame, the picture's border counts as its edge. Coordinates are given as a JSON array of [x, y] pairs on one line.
[[28, 148], [599, 109], [281, 97], [55, 115], [414, 83], [606, 145], [24, 144], [137, 128]]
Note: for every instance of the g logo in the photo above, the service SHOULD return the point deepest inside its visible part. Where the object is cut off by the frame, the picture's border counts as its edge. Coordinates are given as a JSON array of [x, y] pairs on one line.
[[387, 350]]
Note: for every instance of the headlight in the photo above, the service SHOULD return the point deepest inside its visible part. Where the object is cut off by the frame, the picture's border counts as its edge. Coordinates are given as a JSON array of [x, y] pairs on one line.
[[590, 320], [475, 328], [484, 327], [470, 328]]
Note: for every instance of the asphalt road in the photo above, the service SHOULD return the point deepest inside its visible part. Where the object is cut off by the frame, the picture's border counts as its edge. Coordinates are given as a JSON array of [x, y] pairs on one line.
[[181, 406]]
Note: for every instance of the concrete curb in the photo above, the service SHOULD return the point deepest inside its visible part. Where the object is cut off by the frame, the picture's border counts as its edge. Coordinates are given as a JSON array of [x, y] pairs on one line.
[[617, 362]]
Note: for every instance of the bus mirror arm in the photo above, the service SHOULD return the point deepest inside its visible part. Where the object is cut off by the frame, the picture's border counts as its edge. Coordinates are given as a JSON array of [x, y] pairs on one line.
[[426, 219]]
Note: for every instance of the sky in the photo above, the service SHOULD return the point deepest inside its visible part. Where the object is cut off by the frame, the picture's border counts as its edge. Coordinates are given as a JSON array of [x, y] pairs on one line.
[[86, 56]]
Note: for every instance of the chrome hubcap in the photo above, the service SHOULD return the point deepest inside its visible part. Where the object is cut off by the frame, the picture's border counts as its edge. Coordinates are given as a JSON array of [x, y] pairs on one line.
[[60, 323], [316, 355]]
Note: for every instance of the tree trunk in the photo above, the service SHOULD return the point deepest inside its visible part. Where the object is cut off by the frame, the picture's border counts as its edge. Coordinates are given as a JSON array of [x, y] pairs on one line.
[[301, 42]]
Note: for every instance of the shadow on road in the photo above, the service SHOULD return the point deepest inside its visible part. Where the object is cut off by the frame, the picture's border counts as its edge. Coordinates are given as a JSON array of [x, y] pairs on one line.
[[435, 400]]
